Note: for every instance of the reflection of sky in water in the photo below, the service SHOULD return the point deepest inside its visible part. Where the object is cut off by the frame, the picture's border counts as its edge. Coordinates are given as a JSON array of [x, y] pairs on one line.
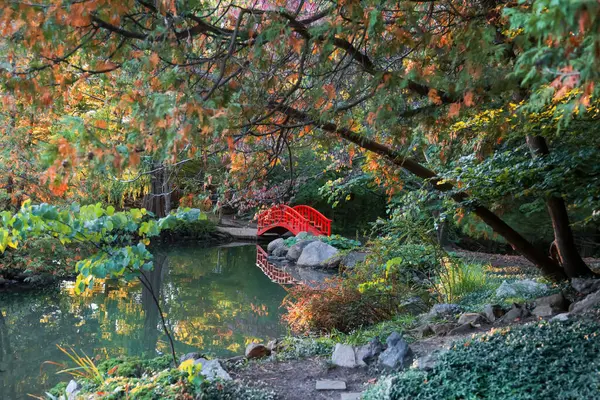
[[214, 300]]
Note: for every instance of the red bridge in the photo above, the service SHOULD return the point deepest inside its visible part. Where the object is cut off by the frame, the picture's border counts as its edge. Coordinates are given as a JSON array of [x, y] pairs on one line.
[[274, 273], [282, 218]]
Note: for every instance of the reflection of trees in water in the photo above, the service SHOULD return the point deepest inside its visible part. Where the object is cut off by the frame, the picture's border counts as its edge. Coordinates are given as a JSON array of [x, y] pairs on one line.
[[5, 355], [154, 279], [213, 299]]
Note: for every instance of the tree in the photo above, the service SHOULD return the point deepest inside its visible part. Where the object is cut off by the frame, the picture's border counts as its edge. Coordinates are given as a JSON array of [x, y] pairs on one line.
[[239, 76]]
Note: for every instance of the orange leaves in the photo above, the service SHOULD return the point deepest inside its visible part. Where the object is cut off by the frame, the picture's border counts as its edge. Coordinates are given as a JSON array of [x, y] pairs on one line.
[[454, 110], [566, 80], [154, 59], [468, 99], [434, 97], [101, 124], [296, 43], [329, 90]]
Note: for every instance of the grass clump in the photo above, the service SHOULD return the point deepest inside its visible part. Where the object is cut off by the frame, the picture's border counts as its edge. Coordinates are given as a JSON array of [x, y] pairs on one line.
[[536, 361]]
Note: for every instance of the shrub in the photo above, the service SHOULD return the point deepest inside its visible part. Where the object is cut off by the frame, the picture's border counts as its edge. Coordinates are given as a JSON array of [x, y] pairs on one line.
[[336, 305], [340, 242], [536, 361]]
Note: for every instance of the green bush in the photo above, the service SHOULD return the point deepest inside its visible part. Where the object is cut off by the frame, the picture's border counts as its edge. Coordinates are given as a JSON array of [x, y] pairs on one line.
[[536, 361], [337, 241], [340, 242]]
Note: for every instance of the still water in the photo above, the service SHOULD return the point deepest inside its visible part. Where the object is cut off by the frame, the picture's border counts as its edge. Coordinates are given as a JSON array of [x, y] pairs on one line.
[[215, 300]]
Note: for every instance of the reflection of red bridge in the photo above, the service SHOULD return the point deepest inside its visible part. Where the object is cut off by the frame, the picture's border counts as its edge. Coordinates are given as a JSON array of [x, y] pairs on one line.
[[271, 271], [282, 218]]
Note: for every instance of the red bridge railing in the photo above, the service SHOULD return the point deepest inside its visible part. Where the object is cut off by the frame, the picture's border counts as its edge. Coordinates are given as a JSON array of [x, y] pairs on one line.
[[271, 271], [297, 219]]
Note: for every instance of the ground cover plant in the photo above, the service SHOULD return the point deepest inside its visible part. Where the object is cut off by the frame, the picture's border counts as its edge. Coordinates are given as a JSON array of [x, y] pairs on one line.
[[556, 360]]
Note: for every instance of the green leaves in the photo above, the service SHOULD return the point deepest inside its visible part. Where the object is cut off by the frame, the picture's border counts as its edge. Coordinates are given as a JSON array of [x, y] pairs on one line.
[[96, 225]]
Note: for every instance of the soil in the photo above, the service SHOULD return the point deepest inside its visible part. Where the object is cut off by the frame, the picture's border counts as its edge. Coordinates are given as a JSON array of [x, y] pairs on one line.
[[296, 379]]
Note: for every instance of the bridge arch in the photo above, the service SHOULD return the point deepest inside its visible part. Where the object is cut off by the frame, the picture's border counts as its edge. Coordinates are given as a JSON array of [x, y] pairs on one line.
[[282, 218]]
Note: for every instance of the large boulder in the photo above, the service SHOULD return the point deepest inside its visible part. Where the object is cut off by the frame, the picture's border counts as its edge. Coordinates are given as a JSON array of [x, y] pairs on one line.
[[257, 350], [367, 354], [525, 287], [550, 305], [295, 251], [588, 303], [280, 251], [316, 254], [398, 354], [212, 370], [585, 285], [275, 244], [344, 356]]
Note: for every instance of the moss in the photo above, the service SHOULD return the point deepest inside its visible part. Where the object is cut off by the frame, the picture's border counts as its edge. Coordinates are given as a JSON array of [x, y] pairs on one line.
[[134, 367]]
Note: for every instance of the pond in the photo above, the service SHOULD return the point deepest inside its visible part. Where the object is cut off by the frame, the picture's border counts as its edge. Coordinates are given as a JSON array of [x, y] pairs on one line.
[[215, 300]]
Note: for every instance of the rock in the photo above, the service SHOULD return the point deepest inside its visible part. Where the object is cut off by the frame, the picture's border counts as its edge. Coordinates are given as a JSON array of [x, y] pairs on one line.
[[516, 312], [280, 252], [525, 287], [561, 317], [257, 350], [585, 285], [344, 356], [425, 363], [550, 305], [275, 244], [493, 312], [472, 318], [72, 390], [190, 356], [351, 396], [462, 329], [334, 262], [556, 301], [351, 259], [327, 384], [316, 254], [444, 311], [442, 329], [588, 303], [367, 354], [274, 345], [295, 251], [398, 355], [423, 331], [212, 370], [414, 306]]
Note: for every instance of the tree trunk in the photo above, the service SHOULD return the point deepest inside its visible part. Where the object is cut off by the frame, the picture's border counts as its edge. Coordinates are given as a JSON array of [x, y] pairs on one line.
[[570, 259], [158, 201], [548, 266]]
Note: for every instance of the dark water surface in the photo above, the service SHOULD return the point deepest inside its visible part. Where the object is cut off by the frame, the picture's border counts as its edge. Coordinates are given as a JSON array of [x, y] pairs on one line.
[[215, 300]]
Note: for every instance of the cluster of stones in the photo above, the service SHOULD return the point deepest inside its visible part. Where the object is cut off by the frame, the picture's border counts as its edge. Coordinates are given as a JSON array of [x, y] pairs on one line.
[[309, 251]]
